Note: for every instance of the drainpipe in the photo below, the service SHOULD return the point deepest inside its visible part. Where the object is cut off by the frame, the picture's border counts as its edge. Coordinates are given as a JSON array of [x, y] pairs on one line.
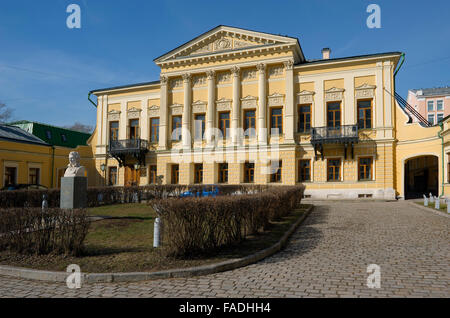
[[89, 99], [53, 165], [441, 125]]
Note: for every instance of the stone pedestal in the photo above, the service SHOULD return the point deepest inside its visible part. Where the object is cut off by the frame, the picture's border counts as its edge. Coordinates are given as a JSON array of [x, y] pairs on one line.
[[73, 193]]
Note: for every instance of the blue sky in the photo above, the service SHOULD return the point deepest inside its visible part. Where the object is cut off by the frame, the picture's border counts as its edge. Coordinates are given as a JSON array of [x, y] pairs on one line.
[[47, 70]]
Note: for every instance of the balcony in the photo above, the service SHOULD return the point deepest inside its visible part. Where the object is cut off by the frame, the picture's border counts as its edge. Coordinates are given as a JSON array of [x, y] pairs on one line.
[[346, 135], [124, 149]]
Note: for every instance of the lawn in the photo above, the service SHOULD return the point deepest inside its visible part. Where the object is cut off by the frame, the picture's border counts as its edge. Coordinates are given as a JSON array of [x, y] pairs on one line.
[[124, 243], [442, 206]]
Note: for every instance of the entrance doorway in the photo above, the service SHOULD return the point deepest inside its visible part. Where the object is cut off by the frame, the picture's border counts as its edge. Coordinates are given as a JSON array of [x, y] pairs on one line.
[[421, 177], [132, 176]]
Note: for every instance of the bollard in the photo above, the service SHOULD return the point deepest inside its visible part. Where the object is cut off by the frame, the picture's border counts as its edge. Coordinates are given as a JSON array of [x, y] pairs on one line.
[[156, 231], [425, 200], [448, 205], [44, 202], [437, 203], [431, 198]]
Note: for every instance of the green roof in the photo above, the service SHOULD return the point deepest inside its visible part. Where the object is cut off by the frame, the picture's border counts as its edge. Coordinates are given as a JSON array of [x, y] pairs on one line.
[[53, 135]]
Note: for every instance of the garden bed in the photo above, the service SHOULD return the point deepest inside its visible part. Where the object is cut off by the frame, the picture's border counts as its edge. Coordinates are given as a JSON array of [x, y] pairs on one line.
[[123, 243]]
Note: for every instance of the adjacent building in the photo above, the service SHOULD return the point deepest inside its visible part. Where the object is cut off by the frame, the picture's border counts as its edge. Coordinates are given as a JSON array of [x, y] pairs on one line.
[[432, 103]]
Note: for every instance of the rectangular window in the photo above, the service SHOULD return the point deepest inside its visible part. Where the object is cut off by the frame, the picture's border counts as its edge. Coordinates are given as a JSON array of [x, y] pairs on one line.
[[333, 169], [48, 133], [430, 105], [224, 123], [154, 130], [176, 128], [364, 114], [431, 118], [114, 130], [276, 172], [34, 175], [134, 129], [199, 124], [223, 172], [63, 138], [304, 118], [112, 176], [440, 105], [175, 174], [276, 121], [250, 123], [334, 114], [304, 170], [10, 176], [365, 168], [249, 172], [198, 173], [152, 177], [440, 116]]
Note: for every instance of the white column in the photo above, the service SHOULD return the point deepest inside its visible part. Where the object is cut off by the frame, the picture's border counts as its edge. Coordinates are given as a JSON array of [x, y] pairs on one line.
[[348, 107], [186, 120], [163, 114], [144, 119], [99, 122], [319, 105], [105, 126], [236, 101], [378, 101], [387, 72], [123, 120], [289, 117], [211, 105], [262, 102]]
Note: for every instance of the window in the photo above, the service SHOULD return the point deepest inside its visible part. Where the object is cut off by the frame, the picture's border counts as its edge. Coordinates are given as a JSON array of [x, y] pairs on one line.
[[440, 116], [63, 138], [304, 170], [176, 128], [334, 114], [10, 175], [223, 172], [276, 121], [199, 126], [114, 130], [365, 168], [224, 123], [175, 174], [134, 129], [112, 176], [276, 172], [431, 119], [334, 169], [153, 174], [440, 105], [304, 118], [430, 105], [154, 130], [48, 133], [34, 175], [250, 123], [364, 114], [249, 172], [198, 173]]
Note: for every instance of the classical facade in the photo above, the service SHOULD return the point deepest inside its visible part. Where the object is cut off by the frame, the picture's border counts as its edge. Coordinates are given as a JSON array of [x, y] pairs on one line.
[[238, 106]]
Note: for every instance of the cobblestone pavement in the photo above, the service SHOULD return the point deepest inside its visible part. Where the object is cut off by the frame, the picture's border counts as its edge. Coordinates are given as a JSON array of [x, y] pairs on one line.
[[326, 257]]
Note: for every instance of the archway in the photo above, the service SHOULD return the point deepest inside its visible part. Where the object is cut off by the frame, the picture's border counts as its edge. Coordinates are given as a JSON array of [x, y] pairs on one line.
[[421, 176]]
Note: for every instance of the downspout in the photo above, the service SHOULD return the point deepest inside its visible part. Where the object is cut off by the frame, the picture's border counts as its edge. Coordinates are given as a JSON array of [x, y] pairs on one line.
[[402, 58], [53, 165], [441, 125], [89, 99]]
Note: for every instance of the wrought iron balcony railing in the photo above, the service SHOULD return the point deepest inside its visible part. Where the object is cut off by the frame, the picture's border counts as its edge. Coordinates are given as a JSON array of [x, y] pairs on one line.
[[339, 134], [127, 145]]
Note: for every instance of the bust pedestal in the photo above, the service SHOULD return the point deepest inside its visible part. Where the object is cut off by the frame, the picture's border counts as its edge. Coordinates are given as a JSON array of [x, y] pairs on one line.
[[73, 193]]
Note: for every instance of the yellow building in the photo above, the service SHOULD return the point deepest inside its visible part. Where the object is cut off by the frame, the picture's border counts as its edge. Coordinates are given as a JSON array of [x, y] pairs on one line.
[[239, 106]]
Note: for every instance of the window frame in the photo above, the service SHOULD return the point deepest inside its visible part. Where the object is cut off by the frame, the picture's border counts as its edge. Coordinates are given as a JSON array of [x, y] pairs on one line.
[[431, 121], [249, 171], [276, 177], [134, 127], [177, 125], [301, 114], [252, 132], [198, 173], [111, 130], [110, 169], [153, 174], [437, 105], [38, 175], [154, 130], [203, 128], [430, 102], [334, 111], [300, 170], [224, 121], [223, 172], [175, 174], [339, 171], [365, 119], [371, 177]]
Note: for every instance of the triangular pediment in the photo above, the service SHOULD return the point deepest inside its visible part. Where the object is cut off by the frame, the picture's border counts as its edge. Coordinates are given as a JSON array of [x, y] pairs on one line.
[[225, 39]]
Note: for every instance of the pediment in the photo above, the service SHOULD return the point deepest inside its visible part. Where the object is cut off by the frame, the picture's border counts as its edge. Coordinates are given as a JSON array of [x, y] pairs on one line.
[[224, 39]]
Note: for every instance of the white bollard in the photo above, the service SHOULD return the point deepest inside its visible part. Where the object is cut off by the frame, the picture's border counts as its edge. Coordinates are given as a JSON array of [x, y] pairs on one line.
[[431, 198], [448, 205], [44, 203], [425, 200], [156, 231], [437, 203]]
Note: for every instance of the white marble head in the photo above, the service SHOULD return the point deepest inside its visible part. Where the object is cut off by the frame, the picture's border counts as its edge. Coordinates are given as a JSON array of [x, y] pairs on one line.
[[74, 159]]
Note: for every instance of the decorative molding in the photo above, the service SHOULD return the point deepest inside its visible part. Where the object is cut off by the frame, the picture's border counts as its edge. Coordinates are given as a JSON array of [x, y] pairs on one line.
[[176, 109], [186, 77], [199, 80], [289, 65], [275, 99], [365, 91], [113, 115], [222, 44], [334, 94], [276, 70], [176, 82], [248, 74], [133, 113], [223, 104], [199, 106], [305, 97], [249, 102], [153, 111], [163, 80], [261, 67], [210, 74], [224, 77], [236, 71]]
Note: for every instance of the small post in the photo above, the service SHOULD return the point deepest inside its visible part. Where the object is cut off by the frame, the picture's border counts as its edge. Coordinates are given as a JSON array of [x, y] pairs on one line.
[[44, 202], [431, 198], [447, 201], [425, 200], [437, 202], [156, 231]]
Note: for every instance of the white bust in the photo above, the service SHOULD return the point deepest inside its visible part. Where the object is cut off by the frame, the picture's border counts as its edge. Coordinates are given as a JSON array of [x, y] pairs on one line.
[[74, 169]]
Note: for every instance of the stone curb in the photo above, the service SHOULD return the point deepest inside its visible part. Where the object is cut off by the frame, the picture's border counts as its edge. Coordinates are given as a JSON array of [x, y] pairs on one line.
[[89, 278], [429, 209]]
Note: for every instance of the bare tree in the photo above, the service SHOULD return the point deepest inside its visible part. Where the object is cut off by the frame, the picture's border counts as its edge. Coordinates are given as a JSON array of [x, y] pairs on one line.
[[5, 113], [81, 127]]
